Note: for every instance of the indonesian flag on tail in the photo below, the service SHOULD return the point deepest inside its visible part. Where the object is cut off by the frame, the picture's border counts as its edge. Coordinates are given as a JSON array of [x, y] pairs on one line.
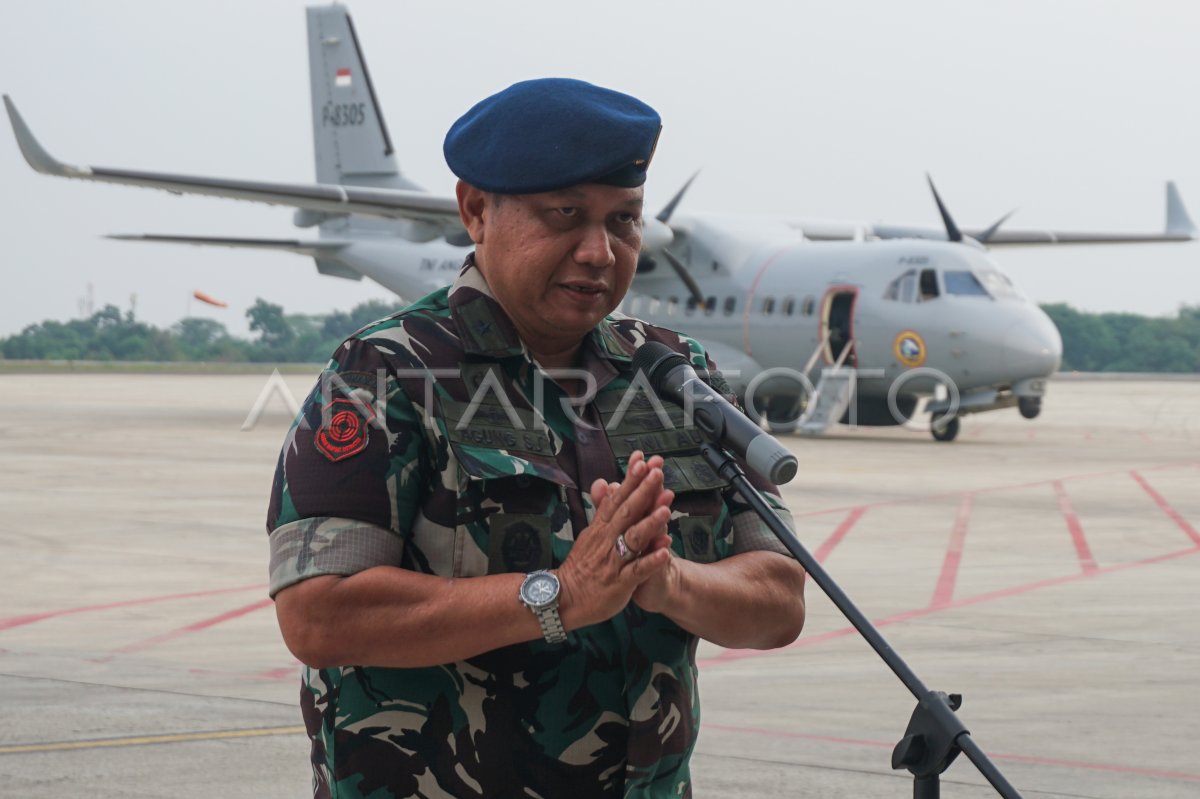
[[342, 78]]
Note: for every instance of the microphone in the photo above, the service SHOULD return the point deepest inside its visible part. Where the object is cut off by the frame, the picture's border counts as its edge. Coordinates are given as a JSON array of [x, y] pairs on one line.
[[672, 377]]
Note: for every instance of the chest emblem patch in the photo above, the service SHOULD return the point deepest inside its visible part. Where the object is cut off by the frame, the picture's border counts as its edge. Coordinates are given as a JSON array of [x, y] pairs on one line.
[[522, 549]]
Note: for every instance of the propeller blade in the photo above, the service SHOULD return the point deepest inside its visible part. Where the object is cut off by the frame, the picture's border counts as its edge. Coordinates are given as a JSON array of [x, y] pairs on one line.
[[655, 234], [952, 231], [983, 237], [669, 208], [686, 277]]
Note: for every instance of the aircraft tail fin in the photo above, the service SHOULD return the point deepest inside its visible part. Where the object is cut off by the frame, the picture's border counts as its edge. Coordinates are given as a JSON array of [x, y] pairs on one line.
[[1178, 220], [351, 139]]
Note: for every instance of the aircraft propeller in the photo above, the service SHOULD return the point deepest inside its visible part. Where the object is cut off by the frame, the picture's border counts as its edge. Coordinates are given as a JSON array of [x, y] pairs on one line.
[[646, 263], [656, 233], [664, 215], [686, 277], [952, 231], [983, 237]]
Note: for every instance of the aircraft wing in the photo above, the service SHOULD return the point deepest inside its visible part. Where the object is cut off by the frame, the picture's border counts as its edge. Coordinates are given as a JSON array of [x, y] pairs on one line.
[[1179, 227], [441, 213], [325, 252], [314, 247], [1011, 238]]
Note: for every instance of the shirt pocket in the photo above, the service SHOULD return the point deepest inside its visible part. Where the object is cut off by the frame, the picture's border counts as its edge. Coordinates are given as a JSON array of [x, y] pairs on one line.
[[700, 526], [511, 506]]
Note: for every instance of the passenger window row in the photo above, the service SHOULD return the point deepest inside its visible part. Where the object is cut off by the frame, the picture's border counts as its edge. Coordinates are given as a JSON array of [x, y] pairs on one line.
[[767, 306]]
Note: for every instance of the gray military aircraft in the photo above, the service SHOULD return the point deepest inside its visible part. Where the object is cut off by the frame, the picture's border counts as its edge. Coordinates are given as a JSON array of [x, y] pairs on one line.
[[883, 319]]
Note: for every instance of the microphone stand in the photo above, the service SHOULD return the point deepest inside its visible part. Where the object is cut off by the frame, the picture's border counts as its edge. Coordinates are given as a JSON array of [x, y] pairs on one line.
[[934, 736]]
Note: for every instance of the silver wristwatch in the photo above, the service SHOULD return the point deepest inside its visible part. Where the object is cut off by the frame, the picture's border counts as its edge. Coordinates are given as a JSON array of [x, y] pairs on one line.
[[539, 593]]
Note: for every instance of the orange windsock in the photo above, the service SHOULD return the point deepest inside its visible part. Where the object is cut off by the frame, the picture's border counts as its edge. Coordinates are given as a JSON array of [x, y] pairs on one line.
[[200, 295]]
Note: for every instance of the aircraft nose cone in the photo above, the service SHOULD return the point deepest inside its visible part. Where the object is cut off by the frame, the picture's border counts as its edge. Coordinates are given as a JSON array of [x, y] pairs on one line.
[[1033, 346]]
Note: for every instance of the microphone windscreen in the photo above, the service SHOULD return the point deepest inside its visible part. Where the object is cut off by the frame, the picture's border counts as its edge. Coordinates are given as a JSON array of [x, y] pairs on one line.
[[651, 356]]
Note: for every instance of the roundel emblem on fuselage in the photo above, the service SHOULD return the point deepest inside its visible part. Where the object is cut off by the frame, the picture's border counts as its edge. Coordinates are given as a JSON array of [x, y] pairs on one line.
[[909, 348]]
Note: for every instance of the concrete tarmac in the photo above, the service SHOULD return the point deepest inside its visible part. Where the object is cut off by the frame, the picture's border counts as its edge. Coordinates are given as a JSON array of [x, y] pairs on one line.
[[1046, 570]]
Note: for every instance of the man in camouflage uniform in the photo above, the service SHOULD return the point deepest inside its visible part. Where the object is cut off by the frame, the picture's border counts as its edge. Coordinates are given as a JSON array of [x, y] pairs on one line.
[[495, 429]]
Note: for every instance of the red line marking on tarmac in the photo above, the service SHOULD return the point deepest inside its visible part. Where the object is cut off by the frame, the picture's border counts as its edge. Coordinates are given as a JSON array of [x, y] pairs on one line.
[[1145, 437], [281, 673], [17, 621], [989, 489], [1087, 435], [1032, 759], [1083, 764], [730, 655], [836, 537], [284, 672], [944, 591], [1166, 507], [197, 626], [1082, 550]]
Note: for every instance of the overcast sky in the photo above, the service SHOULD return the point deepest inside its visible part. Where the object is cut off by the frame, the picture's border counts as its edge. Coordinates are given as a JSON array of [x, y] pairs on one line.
[[1074, 112]]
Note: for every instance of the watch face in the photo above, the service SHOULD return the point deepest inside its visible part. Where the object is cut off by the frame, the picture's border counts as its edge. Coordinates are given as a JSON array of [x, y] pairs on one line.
[[540, 588]]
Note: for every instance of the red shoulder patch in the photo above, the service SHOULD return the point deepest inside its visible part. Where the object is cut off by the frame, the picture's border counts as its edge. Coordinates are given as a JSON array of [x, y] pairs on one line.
[[345, 429]]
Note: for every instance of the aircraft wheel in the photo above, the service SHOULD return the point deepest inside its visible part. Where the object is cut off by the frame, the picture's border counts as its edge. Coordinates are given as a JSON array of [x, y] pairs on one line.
[[944, 432], [1029, 407]]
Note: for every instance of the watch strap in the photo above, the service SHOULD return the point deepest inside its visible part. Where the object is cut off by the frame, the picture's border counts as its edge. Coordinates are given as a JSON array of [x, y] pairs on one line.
[[551, 623]]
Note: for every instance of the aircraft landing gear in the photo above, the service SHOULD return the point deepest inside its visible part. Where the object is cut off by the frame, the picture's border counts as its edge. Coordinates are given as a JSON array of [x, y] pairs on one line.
[[944, 430], [1029, 407]]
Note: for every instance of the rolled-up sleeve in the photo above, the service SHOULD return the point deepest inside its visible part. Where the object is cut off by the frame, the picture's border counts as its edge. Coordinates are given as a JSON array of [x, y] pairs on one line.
[[329, 545], [750, 533]]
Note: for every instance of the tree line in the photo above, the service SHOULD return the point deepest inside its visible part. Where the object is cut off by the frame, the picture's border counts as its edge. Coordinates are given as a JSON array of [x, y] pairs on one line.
[[1125, 342], [1103, 342], [110, 335]]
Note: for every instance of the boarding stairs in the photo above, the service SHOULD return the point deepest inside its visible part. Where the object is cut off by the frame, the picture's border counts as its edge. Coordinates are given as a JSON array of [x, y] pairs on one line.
[[831, 397]]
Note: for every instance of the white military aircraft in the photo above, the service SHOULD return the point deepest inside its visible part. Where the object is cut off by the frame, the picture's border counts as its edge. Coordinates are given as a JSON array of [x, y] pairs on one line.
[[879, 317]]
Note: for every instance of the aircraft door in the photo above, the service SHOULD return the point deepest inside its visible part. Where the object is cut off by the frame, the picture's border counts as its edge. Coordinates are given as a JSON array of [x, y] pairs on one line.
[[837, 324]]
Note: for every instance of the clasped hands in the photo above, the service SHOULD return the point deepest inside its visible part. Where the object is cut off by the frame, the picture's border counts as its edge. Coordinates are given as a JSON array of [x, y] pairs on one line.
[[625, 553]]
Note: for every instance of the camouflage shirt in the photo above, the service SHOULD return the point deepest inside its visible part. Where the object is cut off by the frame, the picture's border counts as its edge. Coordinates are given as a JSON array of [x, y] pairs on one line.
[[436, 444]]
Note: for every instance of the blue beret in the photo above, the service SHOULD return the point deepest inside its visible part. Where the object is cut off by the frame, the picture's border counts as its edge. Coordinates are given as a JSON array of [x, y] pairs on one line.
[[551, 133]]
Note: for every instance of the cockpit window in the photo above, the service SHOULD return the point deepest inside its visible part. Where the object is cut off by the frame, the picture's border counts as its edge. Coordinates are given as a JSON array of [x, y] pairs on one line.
[[997, 283], [903, 288], [929, 284], [963, 284]]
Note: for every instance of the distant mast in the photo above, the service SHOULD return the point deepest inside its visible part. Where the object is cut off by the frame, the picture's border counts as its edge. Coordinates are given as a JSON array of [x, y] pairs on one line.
[[87, 303]]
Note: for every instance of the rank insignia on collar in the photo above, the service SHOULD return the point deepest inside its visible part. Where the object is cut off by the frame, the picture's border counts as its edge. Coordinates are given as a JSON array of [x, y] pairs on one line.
[[344, 430]]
